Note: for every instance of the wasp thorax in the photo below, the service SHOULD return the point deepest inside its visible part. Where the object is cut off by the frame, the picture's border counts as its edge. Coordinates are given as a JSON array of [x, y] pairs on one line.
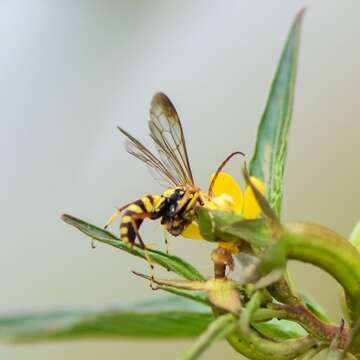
[[172, 203], [174, 193]]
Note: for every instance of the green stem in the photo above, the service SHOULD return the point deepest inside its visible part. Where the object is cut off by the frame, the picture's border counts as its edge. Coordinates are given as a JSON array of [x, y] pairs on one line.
[[217, 330], [247, 313], [327, 250], [283, 292], [256, 347], [262, 315], [314, 326], [249, 343], [311, 353]]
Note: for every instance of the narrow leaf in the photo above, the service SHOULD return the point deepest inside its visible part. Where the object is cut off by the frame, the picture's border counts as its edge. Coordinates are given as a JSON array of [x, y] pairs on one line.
[[355, 236], [314, 307], [280, 329], [168, 324], [268, 161], [170, 262], [260, 198], [177, 319]]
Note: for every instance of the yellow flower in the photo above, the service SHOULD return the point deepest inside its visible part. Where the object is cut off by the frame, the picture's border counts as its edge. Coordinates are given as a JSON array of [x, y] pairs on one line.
[[228, 196]]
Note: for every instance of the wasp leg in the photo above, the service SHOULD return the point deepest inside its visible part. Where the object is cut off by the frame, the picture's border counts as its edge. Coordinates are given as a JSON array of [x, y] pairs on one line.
[[193, 201], [189, 201], [185, 201], [166, 242], [203, 198], [143, 246], [116, 213], [112, 218]]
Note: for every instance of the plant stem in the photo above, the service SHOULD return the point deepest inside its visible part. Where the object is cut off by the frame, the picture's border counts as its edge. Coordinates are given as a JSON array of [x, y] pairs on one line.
[[256, 347], [217, 330], [327, 250], [251, 344], [315, 327]]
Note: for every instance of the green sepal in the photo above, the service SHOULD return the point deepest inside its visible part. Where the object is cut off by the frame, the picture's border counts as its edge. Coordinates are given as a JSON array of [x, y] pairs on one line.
[[212, 224], [257, 232], [274, 258]]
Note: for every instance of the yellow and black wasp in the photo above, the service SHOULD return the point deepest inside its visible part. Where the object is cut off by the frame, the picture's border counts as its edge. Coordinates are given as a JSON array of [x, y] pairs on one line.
[[176, 205]]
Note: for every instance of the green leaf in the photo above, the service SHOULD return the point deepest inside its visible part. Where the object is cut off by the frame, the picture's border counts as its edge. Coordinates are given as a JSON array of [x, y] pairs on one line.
[[168, 317], [269, 157], [268, 161], [314, 307], [264, 205], [165, 303], [355, 236], [280, 329], [170, 262]]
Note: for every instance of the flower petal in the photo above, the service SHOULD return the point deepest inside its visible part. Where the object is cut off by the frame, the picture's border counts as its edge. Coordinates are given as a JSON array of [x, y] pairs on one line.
[[192, 232], [251, 209], [233, 247], [226, 184]]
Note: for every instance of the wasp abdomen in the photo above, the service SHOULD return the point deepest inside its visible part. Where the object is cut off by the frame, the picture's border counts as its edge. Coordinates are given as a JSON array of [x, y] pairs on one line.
[[134, 215]]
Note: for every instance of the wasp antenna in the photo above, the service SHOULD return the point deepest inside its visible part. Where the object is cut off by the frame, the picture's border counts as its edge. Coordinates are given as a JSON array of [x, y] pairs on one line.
[[124, 132], [219, 169]]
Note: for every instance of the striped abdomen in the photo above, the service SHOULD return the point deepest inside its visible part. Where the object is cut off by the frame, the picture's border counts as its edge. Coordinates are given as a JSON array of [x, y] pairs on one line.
[[134, 216]]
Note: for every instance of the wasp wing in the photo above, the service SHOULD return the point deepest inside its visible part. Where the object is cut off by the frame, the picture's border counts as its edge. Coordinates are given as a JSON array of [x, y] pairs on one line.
[[167, 133], [158, 170]]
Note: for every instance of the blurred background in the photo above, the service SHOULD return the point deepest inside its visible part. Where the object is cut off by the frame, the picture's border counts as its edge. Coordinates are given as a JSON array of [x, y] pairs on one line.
[[72, 71]]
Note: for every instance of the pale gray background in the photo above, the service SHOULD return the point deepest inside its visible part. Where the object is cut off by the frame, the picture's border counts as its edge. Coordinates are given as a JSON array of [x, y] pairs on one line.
[[70, 71]]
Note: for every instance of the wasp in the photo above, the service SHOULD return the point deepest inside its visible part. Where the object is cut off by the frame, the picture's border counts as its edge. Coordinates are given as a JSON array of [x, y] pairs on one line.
[[176, 205]]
